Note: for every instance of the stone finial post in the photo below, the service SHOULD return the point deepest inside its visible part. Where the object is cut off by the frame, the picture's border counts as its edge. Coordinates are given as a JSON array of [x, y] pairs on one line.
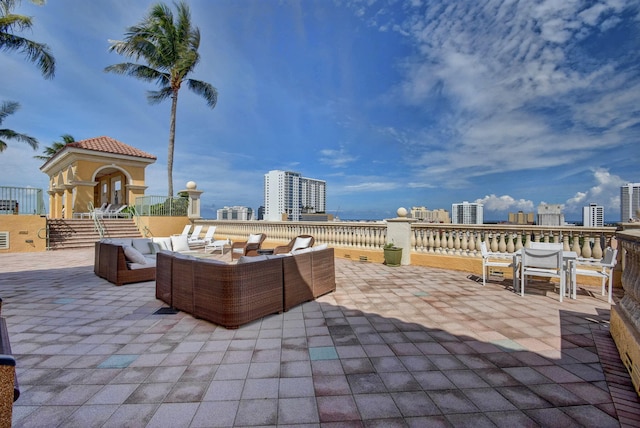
[[399, 233], [193, 211]]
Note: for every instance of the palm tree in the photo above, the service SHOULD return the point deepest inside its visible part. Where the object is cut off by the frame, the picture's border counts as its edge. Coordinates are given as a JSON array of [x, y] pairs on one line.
[[35, 52], [55, 147], [7, 108], [170, 49]]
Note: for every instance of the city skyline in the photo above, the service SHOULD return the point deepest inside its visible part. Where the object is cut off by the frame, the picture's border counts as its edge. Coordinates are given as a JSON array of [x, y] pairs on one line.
[[508, 104]]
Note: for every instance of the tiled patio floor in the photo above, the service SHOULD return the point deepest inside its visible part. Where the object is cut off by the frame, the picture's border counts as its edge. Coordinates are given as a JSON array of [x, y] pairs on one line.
[[408, 346]]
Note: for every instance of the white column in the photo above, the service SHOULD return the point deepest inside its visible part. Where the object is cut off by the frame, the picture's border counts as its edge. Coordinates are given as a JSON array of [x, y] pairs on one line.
[[399, 233]]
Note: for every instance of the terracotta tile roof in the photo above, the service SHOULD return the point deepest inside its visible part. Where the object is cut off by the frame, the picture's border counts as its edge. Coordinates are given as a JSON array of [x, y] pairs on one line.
[[109, 145]]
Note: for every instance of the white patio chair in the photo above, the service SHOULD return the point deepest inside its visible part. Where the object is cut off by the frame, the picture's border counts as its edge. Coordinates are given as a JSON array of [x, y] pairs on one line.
[[116, 211], [185, 231], [100, 212], [194, 238], [208, 237], [546, 263], [598, 268], [490, 259]]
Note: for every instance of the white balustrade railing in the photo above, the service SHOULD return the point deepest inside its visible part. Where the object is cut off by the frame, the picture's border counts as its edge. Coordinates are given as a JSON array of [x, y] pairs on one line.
[[426, 238], [464, 240]]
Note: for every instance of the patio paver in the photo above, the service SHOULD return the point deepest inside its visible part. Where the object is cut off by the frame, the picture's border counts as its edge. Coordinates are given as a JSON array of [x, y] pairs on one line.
[[407, 346]]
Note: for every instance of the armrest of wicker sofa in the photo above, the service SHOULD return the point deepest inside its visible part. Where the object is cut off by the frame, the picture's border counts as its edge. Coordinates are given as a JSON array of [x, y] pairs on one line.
[[323, 269], [9, 389], [233, 295], [112, 266]]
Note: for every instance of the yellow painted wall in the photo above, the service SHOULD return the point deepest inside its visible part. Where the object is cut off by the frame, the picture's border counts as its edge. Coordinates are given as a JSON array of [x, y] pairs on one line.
[[23, 228], [162, 226]]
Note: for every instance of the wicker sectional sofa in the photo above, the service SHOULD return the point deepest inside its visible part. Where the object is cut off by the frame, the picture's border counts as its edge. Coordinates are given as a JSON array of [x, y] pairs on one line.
[[231, 295], [126, 260]]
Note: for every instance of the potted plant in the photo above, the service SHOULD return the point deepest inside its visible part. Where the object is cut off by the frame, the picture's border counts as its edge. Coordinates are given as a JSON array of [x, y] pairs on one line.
[[392, 255]]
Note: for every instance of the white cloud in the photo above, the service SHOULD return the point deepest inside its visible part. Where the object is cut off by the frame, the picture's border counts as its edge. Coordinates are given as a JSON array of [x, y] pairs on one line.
[[519, 82], [504, 203], [605, 192], [336, 158]]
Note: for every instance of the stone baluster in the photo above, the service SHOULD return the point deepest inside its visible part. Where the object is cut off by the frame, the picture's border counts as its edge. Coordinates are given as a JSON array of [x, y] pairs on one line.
[[586, 246], [502, 245], [527, 240], [565, 242], [437, 243], [575, 247], [464, 244], [432, 242], [456, 243], [511, 245], [478, 241], [597, 248], [493, 240]]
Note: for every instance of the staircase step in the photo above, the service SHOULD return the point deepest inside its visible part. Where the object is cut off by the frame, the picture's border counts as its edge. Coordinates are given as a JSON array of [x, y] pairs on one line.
[[81, 233]]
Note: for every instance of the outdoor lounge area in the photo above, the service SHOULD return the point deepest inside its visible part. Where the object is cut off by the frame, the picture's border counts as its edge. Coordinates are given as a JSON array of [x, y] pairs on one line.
[[407, 346]]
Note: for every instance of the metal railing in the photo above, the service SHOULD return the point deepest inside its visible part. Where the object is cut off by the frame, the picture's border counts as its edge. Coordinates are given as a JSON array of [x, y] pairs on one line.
[[97, 222], [161, 206], [21, 200]]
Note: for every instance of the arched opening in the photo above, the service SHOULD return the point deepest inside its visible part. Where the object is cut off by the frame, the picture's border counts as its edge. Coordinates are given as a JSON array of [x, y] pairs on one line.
[[110, 188]]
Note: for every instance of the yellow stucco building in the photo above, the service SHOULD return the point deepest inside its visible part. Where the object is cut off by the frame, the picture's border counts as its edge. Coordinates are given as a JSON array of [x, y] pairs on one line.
[[95, 171]]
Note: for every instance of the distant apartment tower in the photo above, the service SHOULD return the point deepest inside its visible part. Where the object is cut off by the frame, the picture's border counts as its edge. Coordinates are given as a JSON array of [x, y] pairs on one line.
[[467, 213], [287, 194], [550, 215], [629, 201], [235, 213], [593, 216], [430, 216], [521, 218]]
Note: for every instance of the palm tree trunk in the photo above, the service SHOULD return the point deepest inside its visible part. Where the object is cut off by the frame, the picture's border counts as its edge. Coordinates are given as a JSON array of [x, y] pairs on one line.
[[172, 139]]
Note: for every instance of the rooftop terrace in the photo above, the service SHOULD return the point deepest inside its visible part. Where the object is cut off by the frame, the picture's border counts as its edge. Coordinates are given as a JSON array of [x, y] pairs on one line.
[[408, 346]]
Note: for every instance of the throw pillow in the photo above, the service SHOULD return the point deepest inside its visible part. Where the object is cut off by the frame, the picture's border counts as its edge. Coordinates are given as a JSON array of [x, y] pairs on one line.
[[301, 243], [165, 243], [133, 255], [320, 247], [254, 239], [142, 245], [180, 243], [154, 247]]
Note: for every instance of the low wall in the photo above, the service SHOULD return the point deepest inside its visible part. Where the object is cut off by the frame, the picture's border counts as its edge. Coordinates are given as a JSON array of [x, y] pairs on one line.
[[162, 225], [625, 316], [27, 233]]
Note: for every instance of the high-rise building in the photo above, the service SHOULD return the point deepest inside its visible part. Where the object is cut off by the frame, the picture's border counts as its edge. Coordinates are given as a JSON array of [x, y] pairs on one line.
[[629, 201], [550, 215], [430, 216], [287, 195], [593, 216], [521, 218], [467, 213], [235, 213]]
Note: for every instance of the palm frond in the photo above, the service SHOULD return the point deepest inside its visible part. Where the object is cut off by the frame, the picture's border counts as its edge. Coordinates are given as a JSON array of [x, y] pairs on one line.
[[156, 97], [8, 134], [204, 89], [7, 108]]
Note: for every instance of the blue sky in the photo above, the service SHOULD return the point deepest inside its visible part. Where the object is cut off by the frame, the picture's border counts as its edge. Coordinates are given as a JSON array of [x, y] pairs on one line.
[[393, 103]]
